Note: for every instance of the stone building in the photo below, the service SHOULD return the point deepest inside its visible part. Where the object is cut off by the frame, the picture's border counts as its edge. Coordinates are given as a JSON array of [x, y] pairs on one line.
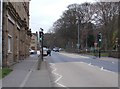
[[34, 41], [15, 32]]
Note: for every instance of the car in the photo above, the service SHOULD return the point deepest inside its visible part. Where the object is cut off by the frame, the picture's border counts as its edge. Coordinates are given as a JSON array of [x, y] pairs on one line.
[[56, 49], [45, 51], [31, 51]]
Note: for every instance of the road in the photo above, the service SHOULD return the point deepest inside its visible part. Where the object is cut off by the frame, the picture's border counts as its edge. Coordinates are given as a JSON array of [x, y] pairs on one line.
[[72, 70]]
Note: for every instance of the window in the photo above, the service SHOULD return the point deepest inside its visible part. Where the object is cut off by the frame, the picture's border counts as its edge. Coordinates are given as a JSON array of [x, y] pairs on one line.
[[9, 43]]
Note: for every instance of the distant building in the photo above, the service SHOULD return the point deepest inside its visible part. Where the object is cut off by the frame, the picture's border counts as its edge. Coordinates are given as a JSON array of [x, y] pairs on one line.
[[34, 41], [15, 32]]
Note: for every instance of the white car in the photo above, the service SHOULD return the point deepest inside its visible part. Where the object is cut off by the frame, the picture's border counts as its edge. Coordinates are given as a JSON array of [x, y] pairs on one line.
[[45, 51], [56, 49], [32, 51]]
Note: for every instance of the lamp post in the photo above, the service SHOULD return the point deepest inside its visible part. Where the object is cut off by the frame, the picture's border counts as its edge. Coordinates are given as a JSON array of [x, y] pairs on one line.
[[78, 35], [41, 47]]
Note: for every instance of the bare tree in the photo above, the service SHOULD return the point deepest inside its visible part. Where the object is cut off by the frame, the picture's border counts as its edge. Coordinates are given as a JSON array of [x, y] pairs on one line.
[[93, 17]]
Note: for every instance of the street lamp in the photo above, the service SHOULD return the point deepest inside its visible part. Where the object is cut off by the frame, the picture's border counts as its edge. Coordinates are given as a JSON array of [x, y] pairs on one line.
[[78, 35]]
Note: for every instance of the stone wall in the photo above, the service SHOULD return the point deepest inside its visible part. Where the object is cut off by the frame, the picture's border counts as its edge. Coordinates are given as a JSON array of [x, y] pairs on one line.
[[16, 33]]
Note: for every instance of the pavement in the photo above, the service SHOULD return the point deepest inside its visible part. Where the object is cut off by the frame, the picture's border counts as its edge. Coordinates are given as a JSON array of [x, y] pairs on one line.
[[25, 74]]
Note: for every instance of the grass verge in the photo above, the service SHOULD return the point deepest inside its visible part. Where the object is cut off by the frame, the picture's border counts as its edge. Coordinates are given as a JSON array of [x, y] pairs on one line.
[[4, 72]]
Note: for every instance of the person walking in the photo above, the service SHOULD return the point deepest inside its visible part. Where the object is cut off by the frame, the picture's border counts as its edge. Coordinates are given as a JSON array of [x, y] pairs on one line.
[[49, 52]]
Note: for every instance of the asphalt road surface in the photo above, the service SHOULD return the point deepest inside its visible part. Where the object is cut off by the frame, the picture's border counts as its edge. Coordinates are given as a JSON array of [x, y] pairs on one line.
[[72, 70]]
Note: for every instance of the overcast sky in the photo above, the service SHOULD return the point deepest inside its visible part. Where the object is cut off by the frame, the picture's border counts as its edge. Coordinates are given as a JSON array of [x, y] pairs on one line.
[[43, 13]]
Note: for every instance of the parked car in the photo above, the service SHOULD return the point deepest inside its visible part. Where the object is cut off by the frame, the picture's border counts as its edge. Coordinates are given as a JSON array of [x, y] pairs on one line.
[[31, 51], [45, 51], [56, 49], [61, 49]]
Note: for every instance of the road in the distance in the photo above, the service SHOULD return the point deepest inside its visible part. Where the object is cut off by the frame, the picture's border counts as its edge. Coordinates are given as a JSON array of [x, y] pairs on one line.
[[70, 70]]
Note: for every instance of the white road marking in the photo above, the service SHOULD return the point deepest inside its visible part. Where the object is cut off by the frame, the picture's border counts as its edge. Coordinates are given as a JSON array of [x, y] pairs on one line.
[[27, 76], [52, 65], [101, 68], [89, 64], [25, 80], [60, 76], [62, 85], [113, 62]]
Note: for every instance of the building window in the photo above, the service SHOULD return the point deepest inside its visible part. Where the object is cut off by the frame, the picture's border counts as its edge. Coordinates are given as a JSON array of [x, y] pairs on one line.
[[9, 44]]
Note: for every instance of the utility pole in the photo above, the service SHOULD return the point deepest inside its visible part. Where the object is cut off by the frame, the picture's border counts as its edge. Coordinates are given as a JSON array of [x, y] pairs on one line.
[[40, 59]]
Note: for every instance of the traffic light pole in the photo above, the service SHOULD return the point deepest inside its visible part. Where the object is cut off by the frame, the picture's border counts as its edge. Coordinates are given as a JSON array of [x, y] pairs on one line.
[[99, 43], [99, 50], [78, 35], [41, 44], [42, 48], [40, 59]]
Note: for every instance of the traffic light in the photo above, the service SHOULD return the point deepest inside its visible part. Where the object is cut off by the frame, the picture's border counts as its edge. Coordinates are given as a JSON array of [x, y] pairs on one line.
[[99, 38], [40, 35]]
